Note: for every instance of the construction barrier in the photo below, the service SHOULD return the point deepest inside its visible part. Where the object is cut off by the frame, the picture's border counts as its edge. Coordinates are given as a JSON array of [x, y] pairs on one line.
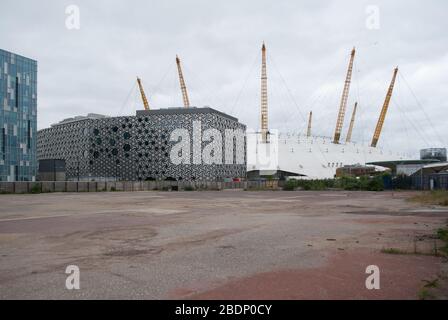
[[99, 186]]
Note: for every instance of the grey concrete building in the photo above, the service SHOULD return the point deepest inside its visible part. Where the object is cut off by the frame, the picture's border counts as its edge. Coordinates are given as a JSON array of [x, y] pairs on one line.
[[51, 170], [140, 147]]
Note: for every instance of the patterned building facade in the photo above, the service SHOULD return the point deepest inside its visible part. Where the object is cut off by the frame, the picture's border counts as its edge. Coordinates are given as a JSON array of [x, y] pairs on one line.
[[139, 147], [18, 117]]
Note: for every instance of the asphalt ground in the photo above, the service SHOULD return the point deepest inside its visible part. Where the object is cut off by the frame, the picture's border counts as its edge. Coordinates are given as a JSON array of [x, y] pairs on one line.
[[217, 245]]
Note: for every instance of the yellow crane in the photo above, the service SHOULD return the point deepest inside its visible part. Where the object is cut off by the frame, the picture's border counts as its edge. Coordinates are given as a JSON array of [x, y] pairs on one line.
[[379, 125], [142, 93], [183, 87], [343, 104], [308, 131], [352, 122], [264, 97]]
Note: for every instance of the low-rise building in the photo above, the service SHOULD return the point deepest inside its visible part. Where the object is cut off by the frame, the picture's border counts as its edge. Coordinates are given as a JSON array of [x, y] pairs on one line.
[[164, 144]]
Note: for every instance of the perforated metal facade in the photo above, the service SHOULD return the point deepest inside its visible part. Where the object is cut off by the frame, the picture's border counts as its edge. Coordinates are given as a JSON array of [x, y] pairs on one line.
[[137, 147]]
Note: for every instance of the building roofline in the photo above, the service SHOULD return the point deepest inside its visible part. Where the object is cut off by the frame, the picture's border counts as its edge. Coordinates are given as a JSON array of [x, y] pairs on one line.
[[182, 110], [19, 55], [399, 162]]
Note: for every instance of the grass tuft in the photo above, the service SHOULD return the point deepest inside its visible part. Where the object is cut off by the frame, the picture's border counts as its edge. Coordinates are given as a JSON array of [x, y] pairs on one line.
[[442, 234], [424, 294], [439, 197], [431, 283]]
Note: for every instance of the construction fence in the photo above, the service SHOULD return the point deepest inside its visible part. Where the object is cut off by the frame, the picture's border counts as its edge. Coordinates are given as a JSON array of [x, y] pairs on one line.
[[430, 182], [98, 186]]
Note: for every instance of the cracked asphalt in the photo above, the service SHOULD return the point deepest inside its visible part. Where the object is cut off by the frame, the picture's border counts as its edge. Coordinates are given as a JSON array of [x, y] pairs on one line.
[[216, 245]]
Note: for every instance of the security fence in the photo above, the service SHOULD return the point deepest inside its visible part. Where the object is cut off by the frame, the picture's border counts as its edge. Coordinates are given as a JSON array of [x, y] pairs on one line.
[[98, 186]]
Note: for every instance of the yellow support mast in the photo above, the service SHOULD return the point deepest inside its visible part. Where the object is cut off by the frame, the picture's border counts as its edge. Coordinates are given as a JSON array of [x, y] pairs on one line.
[[308, 131], [344, 98], [379, 125], [264, 97], [183, 87], [142, 93], [352, 123]]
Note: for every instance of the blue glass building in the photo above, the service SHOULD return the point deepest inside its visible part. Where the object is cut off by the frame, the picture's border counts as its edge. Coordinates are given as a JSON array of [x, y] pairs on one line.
[[18, 117]]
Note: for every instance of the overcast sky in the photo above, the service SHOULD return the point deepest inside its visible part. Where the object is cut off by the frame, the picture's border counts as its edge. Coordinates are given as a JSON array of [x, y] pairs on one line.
[[93, 69]]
